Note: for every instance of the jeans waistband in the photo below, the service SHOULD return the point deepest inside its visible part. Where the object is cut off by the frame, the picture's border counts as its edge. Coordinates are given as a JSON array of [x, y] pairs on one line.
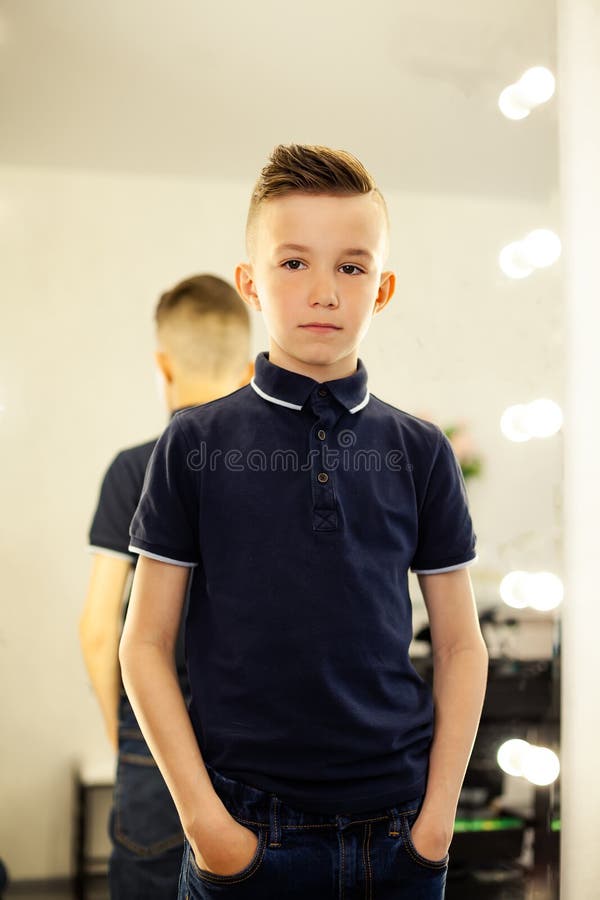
[[254, 806]]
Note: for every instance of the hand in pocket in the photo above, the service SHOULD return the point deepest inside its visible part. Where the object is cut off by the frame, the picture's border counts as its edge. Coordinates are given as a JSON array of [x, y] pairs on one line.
[[430, 843], [228, 851]]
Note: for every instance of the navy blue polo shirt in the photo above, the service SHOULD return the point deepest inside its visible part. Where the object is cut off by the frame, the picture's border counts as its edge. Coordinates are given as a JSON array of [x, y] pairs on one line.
[[117, 500], [301, 506]]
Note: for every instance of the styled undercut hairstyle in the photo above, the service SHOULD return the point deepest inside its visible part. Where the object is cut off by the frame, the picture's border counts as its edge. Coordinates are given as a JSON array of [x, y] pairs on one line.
[[310, 169], [205, 327]]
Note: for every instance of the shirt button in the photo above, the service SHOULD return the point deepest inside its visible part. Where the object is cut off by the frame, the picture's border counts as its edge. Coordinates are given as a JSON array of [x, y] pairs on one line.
[[322, 392], [323, 477], [321, 434]]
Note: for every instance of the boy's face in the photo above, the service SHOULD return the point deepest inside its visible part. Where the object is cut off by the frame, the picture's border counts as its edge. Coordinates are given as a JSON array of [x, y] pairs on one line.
[[317, 259]]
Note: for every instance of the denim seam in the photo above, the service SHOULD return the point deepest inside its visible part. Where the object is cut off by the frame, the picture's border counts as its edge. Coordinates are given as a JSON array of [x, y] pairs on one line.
[[131, 733], [367, 863], [274, 827], [141, 851], [137, 759], [317, 825], [342, 864]]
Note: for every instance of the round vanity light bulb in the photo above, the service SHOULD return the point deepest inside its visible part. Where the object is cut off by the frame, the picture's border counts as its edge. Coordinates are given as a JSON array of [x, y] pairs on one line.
[[513, 423], [541, 766], [513, 589], [544, 418], [545, 591], [541, 248], [511, 756], [512, 261], [535, 86], [510, 105]]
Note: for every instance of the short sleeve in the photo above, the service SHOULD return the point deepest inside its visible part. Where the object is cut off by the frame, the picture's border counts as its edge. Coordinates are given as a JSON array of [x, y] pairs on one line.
[[118, 497], [446, 540], [165, 523]]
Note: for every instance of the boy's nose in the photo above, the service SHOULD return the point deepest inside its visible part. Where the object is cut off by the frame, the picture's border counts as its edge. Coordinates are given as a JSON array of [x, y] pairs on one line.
[[324, 293]]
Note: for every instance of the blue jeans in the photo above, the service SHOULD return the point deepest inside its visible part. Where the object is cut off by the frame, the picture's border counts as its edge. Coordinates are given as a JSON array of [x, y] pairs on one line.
[[144, 825], [313, 856]]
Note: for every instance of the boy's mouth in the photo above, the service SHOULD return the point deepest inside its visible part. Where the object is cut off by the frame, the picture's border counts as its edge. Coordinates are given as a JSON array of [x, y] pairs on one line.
[[321, 326]]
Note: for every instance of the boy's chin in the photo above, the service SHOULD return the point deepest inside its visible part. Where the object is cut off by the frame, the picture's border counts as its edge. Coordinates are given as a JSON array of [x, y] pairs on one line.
[[307, 353], [318, 356]]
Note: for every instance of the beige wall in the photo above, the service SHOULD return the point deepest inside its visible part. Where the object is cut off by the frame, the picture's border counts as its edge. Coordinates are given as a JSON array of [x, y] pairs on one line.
[[83, 258], [579, 75]]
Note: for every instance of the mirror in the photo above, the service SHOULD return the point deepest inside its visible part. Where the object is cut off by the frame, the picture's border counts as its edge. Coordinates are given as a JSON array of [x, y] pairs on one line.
[[132, 135]]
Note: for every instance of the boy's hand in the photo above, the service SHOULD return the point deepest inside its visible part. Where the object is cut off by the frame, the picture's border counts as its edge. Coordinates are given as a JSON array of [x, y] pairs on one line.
[[430, 840], [227, 850]]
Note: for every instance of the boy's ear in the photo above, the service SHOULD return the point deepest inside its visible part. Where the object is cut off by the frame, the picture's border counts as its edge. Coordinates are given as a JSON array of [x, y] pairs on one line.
[[163, 363], [244, 282], [248, 374], [387, 286]]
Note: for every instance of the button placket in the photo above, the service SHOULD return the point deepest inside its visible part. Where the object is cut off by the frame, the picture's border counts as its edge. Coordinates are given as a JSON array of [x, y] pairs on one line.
[[325, 515]]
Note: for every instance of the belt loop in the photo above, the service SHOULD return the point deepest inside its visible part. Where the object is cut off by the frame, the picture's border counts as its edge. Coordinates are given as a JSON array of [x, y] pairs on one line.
[[394, 822], [274, 823]]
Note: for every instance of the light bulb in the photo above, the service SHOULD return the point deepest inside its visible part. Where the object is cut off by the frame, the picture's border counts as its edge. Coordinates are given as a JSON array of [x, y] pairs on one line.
[[545, 591], [543, 418], [511, 756], [535, 86], [541, 248], [513, 423], [512, 263], [510, 106], [513, 589], [541, 766]]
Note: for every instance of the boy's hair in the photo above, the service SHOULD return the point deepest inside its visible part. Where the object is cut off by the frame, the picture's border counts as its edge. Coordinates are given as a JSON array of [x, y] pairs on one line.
[[205, 326], [311, 169]]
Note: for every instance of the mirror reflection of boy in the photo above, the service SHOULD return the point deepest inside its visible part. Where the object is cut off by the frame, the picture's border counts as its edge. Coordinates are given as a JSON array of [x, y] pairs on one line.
[[202, 352], [311, 764]]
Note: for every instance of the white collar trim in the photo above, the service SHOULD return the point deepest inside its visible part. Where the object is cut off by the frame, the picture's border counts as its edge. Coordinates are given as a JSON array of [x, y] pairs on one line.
[[273, 399], [361, 404], [279, 402]]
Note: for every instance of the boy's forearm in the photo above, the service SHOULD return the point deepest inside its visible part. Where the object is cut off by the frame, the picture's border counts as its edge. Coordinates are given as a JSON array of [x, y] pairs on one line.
[[150, 679], [106, 682], [101, 661], [458, 690]]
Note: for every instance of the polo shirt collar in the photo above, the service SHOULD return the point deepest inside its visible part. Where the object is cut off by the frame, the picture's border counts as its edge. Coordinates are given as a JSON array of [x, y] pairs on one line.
[[292, 390], [180, 408]]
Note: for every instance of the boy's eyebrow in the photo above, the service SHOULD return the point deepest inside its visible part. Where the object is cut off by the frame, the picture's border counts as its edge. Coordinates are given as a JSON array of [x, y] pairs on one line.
[[300, 248]]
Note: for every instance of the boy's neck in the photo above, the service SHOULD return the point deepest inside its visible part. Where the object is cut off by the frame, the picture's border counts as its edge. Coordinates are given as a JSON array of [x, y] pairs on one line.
[[181, 395], [320, 372]]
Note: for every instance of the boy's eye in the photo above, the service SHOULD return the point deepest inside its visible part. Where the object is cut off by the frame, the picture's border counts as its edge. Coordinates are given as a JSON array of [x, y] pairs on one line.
[[350, 269], [293, 264]]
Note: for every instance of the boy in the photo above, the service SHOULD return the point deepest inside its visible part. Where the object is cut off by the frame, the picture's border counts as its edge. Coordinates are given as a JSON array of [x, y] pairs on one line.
[[308, 767], [203, 345]]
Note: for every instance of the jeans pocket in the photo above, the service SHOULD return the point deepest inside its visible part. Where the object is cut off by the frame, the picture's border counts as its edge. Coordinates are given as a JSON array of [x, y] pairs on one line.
[[407, 821], [247, 872], [144, 819]]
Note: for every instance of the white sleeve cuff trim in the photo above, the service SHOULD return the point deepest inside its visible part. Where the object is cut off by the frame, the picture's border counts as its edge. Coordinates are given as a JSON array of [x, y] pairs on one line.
[[447, 569], [92, 548], [175, 562]]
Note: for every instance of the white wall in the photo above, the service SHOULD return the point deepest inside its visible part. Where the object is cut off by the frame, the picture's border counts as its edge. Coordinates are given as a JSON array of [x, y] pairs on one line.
[[579, 77], [83, 259]]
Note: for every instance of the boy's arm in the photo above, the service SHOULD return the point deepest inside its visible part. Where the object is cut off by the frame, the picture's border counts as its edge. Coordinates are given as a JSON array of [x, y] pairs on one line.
[[220, 844], [99, 631], [459, 678]]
